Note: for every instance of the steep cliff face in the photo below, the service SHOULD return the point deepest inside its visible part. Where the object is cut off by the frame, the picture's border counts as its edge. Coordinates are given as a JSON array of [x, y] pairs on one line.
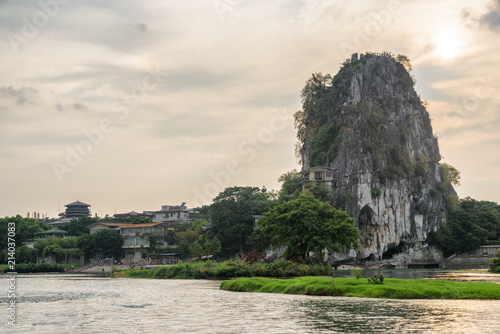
[[370, 126]]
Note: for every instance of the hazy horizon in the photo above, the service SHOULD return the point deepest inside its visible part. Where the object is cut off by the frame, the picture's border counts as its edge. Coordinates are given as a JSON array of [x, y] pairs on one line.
[[131, 105]]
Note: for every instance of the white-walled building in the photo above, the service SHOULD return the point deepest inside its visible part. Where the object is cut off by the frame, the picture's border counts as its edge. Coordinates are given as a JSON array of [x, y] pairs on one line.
[[103, 225], [171, 214], [318, 174], [136, 238]]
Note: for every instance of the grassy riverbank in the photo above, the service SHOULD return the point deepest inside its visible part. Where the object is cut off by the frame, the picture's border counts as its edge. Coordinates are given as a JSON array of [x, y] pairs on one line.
[[227, 269], [38, 267], [351, 287]]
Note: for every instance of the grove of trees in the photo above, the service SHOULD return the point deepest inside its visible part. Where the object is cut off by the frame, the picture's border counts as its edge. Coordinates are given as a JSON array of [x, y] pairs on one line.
[[232, 216], [470, 224]]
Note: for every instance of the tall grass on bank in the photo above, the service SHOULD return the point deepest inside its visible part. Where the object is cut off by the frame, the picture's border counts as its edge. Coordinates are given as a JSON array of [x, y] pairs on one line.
[[228, 269], [23, 268], [351, 287], [40, 267]]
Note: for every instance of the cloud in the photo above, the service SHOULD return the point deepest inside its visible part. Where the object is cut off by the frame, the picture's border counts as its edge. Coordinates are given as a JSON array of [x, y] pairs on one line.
[[225, 78], [75, 106], [80, 107], [23, 95], [323, 11], [492, 18], [141, 27]]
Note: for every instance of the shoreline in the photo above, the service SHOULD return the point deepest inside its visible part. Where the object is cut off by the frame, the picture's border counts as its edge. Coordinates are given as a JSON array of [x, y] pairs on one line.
[[391, 288]]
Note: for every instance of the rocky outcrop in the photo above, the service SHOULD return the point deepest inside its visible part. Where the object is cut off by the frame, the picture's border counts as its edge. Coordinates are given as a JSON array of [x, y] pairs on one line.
[[370, 126]]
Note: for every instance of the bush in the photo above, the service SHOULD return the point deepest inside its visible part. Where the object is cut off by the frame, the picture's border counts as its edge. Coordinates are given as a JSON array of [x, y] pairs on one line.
[[495, 263], [24, 254], [40, 267], [376, 279], [358, 273], [376, 192]]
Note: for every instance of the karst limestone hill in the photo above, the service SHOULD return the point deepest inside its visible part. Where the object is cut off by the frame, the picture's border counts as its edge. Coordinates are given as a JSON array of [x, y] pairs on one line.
[[366, 134]]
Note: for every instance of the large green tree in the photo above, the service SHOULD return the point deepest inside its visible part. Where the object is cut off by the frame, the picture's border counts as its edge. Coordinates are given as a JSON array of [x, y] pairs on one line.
[[200, 213], [108, 242], [53, 251], [308, 226], [319, 190], [64, 243], [24, 254], [25, 229], [232, 218], [196, 250], [86, 244], [205, 247], [290, 186], [104, 242], [78, 226]]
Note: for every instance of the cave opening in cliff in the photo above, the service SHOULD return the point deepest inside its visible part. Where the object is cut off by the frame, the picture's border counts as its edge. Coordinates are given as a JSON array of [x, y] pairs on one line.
[[365, 223], [388, 254], [371, 257]]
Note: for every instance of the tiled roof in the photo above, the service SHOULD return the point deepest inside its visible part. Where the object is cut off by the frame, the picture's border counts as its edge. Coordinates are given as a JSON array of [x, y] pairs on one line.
[[316, 168], [109, 223], [139, 225], [132, 214], [172, 210], [77, 203]]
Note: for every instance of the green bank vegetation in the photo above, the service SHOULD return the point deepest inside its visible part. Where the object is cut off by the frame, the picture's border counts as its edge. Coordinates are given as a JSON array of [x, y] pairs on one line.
[[227, 269], [352, 287], [495, 263], [23, 268]]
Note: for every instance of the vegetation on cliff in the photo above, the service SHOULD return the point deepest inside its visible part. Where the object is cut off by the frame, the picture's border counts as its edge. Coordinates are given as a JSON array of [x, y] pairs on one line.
[[327, 115], [352, 287]]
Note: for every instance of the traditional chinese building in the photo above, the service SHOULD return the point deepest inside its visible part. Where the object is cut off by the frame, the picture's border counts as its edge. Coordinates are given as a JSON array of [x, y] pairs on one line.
[[76, 210]]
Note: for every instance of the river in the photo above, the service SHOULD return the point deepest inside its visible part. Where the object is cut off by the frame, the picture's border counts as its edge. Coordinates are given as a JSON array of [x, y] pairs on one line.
[[79, 304]]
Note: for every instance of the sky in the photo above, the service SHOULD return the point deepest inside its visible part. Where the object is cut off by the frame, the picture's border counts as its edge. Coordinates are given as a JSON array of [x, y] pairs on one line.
[[130, 105]]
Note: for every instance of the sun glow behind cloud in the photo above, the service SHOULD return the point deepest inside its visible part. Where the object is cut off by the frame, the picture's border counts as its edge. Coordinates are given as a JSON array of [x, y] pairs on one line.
[[447, 43]]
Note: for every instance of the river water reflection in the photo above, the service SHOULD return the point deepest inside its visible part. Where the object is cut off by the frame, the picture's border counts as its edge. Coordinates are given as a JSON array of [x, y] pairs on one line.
[[75, 304]]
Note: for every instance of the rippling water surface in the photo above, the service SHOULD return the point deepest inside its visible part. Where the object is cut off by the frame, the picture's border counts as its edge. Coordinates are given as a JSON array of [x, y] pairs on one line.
[[72, 304]]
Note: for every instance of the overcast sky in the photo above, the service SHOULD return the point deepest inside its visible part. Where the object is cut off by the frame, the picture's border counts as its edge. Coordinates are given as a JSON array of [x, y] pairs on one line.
[[128, 105]]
